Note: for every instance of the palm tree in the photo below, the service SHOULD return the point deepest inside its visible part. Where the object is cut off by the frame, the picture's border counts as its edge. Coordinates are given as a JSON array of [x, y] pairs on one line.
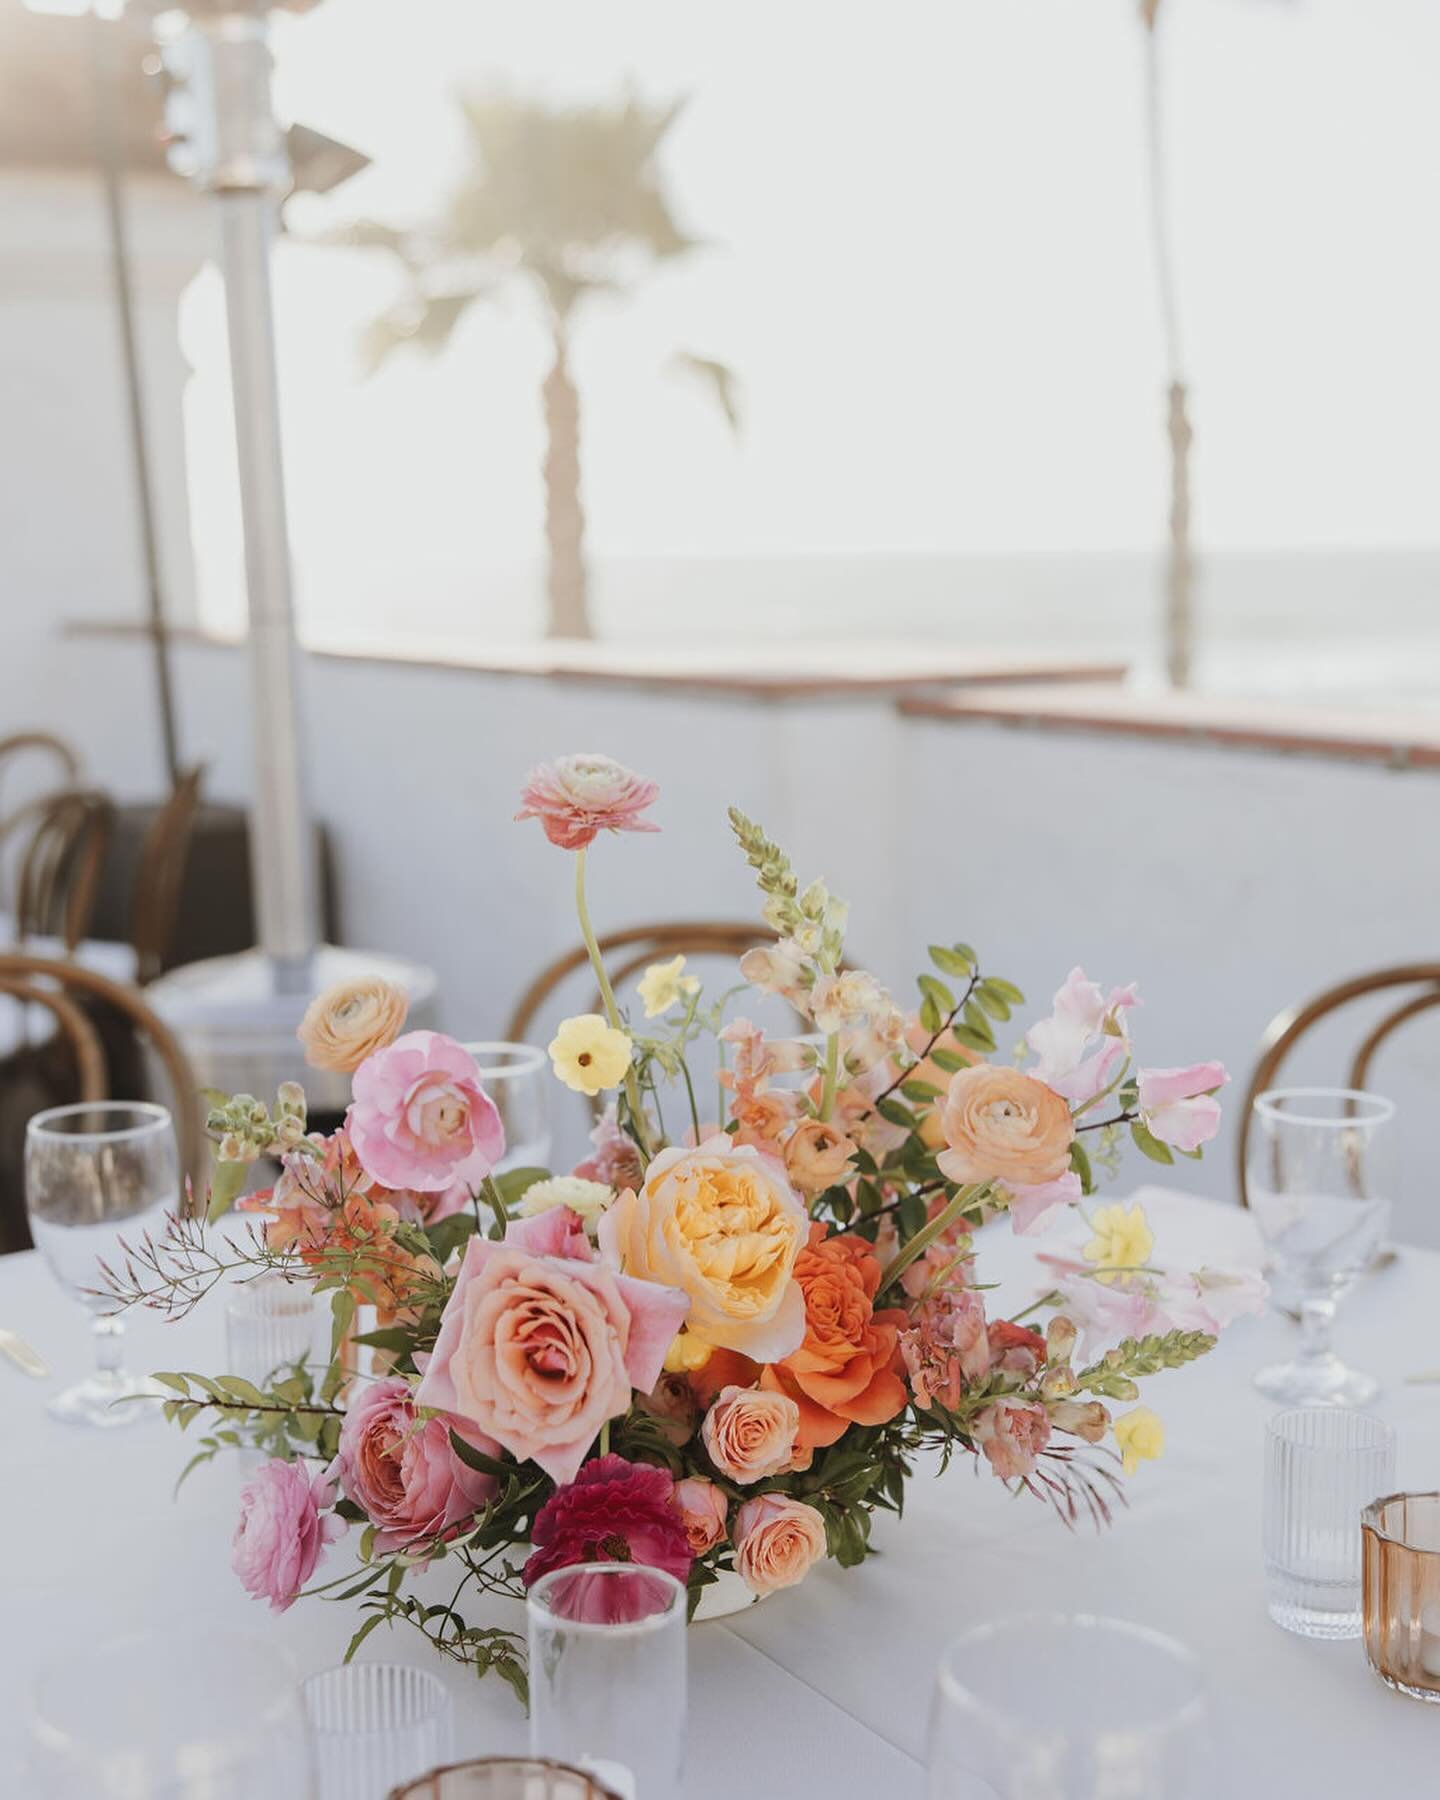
[[1179, 624], [565, 202]]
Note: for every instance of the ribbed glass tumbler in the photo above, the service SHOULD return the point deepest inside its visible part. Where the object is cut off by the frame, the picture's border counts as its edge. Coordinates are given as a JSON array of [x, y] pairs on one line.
[[376, 1725], [1323, 1467]]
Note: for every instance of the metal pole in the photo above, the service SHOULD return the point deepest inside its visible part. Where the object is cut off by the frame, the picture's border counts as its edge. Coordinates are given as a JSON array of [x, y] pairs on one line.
[[236, 151]]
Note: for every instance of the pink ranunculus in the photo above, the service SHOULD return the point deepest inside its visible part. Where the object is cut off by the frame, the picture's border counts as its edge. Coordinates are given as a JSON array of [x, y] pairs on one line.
[[420, 1117], [282, 1530], [702, 1508], [1012, 1434], [540, 1343], [613, 1511], [577, 796], [1178, 1105], [402, 1469], [1033, 1207]]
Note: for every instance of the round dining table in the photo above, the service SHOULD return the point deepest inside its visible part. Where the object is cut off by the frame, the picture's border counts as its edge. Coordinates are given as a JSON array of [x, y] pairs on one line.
[[822, 1689]]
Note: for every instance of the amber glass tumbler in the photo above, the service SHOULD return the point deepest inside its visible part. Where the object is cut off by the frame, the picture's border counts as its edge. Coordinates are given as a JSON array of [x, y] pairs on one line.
[[1400, 1535]]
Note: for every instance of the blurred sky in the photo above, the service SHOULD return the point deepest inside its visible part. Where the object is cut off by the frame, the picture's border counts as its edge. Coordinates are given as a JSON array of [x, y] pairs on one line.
[[930, 270]]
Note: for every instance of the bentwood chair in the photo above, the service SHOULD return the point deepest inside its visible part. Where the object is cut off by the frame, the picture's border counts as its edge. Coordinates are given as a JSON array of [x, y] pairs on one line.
[[64, 839], [638, 946], [1417, 983], [68, 991]]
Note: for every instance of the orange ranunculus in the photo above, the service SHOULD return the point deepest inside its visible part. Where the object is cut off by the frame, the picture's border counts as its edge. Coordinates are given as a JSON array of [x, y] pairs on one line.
[[844, 1372], [1001, 1125]]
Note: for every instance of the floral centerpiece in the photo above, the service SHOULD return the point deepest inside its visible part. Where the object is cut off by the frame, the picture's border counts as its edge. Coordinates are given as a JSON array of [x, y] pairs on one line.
[[718, 1347]]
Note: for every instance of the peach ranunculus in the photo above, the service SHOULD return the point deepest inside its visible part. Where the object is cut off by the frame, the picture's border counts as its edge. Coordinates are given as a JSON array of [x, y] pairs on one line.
[[844, 1372], [351, 1021], [1000, 1125], [928, 1070], [702, 1508], [817, 1156], [750, 1433], [721, 1223], [777, 1539], [540, 1343]]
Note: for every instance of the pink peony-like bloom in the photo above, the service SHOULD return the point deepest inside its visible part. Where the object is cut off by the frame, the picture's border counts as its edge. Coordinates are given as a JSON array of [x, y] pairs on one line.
[[777, 1541], [577, 796], [1178, 1106], [402, 1470], [702, 1508], [1012, 1434], [420, 1117], [540, 1343], [613, 1511], [282, 1530]]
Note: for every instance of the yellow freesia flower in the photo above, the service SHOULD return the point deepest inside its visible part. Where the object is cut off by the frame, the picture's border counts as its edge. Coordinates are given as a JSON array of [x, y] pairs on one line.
[[1122, 1240], [1139, 1437], [686, 1354], [662, 985], [587, 1054]]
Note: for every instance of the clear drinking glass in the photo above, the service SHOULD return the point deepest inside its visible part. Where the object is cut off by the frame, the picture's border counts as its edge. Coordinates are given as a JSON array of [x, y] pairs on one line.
[[269, 1323], [607, 1675], [95, 1173], [1068, 1707], [1321, 1177], [517, 1078], [507, 1778], [183, 1715], [1400, 1535], [376, 1725], [1322, 1468]]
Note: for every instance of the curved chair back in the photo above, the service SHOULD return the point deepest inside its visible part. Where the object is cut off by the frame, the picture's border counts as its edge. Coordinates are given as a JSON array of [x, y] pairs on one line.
[[164, 854], [641, 944], [66, 836], [1286, 1029]]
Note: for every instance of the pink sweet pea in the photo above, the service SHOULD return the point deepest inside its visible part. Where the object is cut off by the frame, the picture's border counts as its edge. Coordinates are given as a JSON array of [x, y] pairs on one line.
[[1033, 1206], [282, 1531], [1081, 1013], [1178, 1105], [420, 1118], [577, 796], [540, 1343]]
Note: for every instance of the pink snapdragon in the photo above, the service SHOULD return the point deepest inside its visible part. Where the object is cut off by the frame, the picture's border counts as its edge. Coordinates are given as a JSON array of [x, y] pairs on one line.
[[576, 797], [1012, 1433], [1178, 1106], [282, 1530], [420, 1117]]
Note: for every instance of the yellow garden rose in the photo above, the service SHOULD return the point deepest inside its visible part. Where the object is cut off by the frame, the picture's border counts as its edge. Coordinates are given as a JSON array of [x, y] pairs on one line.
[[722, 1224]]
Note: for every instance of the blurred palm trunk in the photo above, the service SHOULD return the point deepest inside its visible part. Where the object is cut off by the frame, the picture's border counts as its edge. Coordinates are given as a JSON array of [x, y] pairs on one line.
[[1179, 616], [564, 515]]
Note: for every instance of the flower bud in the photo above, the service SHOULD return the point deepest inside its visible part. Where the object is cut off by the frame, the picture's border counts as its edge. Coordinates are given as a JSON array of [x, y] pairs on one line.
[[1060, 1336], [1086, 1419]]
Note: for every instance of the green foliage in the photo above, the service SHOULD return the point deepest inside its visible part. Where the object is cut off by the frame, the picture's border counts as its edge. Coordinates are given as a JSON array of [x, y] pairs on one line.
[[1148, 1144]]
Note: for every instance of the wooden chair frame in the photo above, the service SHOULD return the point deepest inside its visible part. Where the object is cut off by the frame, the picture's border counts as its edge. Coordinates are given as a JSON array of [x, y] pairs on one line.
[[1287, 1028]]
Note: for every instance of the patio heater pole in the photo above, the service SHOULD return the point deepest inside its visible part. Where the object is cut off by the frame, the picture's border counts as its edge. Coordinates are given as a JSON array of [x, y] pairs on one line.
[[235, 149]]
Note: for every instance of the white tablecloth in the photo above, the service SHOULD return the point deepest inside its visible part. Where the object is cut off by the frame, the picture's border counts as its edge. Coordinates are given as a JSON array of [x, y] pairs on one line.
[[823, 1689]]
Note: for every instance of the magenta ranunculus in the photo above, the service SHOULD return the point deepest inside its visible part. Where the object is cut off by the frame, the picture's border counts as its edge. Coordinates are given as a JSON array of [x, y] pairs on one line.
[[613, 1511], [420, 1118], [577, 796], [540, 1343], [402, 1470], [1179, 1106], [282, 1530]]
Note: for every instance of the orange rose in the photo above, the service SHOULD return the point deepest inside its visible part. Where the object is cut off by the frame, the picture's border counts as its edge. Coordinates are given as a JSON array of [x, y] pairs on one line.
[[777, 1539], [844, 1372], [1001, 1125]]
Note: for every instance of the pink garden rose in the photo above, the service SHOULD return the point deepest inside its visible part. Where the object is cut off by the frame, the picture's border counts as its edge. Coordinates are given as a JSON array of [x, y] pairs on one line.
[[540, 1343], [402, 1470], [577, 796], [777, 1540], [421, 1119], [702, 1508], [282, 1530], [1012, 1434], [1178, 1106], [613, 1511]]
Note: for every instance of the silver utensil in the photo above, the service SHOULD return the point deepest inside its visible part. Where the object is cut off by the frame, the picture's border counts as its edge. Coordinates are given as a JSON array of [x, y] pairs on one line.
[[22, 1355]]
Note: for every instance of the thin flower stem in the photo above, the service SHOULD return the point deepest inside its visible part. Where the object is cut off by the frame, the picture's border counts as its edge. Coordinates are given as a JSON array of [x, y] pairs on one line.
[[607, 995], [1123, 1118], [690, 1095], [832, 1070], [1054, 1297], [964, 1199]]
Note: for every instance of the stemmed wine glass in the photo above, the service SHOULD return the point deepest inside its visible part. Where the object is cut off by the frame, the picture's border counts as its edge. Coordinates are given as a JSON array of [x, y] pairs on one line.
[[1321, 1177], [517, 1078], [94, 1173]]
